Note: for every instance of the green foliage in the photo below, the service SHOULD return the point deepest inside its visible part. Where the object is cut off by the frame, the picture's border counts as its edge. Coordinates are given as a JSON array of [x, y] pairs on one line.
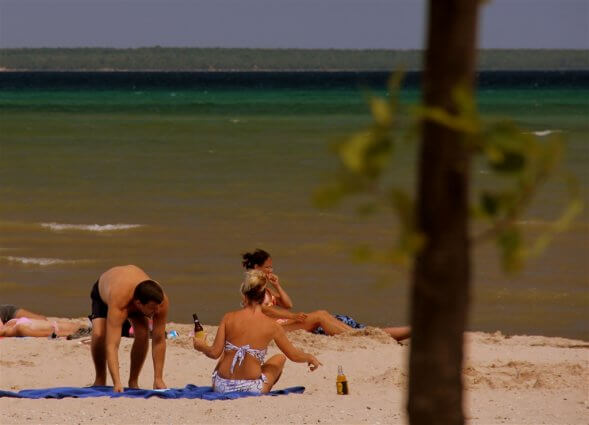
[[526, 162], [410, 239], [365, 157], [518, 161]]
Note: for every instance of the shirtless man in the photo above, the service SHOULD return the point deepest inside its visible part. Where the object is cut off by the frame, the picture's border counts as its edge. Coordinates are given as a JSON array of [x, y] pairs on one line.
[[121, 293]]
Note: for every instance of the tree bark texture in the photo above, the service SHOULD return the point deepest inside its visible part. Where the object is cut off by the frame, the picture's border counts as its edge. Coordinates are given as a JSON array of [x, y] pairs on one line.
[[441, 273]]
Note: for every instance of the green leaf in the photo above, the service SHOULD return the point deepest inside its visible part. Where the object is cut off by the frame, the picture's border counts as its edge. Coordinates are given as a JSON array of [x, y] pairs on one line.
[[381, 112], [403, 206], [352, 152], [366, 153], [572, 210], [490, 204], [444, 118], [410, 239], [511, 247], [509, 162], [394, 83]]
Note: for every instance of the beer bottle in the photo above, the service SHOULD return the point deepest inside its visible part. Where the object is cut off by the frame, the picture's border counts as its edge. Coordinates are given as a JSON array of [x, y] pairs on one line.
[[198, 330], [341, 382]]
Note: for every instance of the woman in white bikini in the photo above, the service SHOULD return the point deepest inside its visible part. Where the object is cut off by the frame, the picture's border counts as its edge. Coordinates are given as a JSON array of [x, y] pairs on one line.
[[277, 305], [242, 341]]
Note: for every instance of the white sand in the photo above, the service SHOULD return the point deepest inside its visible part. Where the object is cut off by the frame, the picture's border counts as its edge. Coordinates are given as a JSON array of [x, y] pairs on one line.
[[517, 380]]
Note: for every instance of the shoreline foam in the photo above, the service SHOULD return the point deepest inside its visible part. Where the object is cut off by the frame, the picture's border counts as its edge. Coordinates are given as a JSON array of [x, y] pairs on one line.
[[89, 227]]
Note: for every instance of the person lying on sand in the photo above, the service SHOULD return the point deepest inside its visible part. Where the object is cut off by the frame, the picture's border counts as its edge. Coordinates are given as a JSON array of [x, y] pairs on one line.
[[242, 341], [24, 326], [9, 312], [121, 293], [21, 322], [277, 305]]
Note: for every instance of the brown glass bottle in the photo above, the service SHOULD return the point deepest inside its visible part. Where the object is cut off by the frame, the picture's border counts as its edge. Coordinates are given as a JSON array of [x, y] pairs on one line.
[[198, 330], [341, 382]]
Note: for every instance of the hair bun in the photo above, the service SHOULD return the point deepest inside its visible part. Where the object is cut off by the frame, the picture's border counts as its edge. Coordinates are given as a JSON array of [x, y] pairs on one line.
[[247, 262], [252, 259], [252, 280]]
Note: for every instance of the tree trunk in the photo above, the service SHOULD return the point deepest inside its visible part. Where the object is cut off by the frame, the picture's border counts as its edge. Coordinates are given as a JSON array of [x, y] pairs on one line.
[[441, 274]]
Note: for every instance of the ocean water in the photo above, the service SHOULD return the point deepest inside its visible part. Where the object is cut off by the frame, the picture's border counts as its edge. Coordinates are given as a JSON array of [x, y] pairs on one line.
[[182, 173]]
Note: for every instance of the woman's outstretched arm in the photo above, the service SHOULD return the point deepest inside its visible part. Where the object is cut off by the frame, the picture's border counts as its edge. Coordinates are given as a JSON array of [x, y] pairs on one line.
[[293, 353]]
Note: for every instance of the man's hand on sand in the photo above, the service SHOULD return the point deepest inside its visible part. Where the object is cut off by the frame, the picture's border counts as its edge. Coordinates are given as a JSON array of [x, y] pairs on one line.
[[159, 384]]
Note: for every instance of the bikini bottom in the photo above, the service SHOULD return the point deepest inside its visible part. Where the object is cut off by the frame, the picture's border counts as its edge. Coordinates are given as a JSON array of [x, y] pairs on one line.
[[222, 385]]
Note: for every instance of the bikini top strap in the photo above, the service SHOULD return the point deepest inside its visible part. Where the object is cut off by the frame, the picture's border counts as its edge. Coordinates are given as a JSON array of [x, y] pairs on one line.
[[240, 353]]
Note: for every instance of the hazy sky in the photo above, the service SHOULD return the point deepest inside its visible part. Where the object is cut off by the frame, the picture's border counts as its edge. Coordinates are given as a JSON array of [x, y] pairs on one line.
[[393, 24]]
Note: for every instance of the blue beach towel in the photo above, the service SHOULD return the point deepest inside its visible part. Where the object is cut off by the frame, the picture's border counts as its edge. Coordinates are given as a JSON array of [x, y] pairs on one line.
[[190, 391]]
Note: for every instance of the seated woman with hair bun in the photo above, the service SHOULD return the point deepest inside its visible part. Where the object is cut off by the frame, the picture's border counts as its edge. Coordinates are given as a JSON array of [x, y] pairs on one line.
[[277, 304], [242, 341]]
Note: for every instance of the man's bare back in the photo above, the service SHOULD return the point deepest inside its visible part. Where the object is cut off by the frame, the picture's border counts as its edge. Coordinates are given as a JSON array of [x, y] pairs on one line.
[[121, 293], [116, 285]]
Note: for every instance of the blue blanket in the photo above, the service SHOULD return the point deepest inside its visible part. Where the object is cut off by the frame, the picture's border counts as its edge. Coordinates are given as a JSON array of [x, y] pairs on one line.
[[190, 391]]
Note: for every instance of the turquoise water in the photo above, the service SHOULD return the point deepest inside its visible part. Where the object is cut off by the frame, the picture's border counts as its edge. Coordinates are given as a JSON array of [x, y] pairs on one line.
[[182, 181]]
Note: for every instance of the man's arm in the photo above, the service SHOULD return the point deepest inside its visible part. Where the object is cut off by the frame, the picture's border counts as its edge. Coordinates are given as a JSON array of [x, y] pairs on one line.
[[114, 324], [158, 344]]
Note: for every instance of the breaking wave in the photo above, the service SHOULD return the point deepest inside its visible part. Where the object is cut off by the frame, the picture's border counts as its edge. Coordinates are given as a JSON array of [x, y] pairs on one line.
[[543, 133], [89, 227], [38, 261]]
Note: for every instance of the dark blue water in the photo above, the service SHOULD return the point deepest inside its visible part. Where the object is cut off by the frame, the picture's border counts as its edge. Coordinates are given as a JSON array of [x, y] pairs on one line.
[[270, 80]]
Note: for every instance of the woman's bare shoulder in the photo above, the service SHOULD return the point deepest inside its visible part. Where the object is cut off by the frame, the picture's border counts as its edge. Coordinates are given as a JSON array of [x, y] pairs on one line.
[[270, 324], [229, 316]]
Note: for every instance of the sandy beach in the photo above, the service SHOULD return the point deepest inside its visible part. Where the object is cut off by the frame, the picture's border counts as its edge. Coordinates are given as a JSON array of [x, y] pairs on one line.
[[511, 380]]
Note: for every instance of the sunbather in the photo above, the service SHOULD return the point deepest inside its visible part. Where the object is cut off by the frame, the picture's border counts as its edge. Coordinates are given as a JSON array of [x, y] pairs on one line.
[[242, 340], [21, 322], [277, 304], [23, 326]]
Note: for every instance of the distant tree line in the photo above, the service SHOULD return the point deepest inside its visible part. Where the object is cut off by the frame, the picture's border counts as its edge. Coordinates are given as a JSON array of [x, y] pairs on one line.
[[222, 59]]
